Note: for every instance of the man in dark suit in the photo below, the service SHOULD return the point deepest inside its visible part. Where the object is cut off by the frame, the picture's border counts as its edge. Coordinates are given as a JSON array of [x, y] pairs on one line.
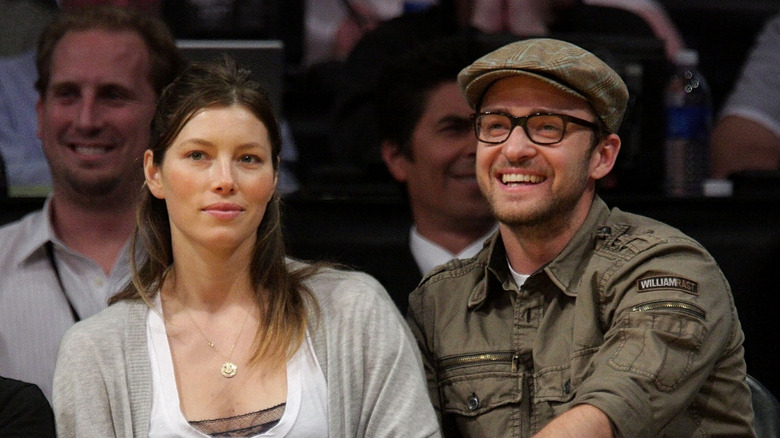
[[428, 145]]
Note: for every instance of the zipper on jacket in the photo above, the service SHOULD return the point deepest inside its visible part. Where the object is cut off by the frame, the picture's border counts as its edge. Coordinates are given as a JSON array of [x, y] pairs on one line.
[[674, 306], [465, 360]]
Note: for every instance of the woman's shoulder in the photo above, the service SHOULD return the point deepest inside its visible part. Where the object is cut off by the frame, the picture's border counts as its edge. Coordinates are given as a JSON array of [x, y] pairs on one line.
[[347, 299], [340, 290], [336, 282]]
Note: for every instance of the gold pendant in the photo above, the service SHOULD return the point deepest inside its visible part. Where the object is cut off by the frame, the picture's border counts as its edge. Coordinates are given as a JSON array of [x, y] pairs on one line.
[[229, 369]]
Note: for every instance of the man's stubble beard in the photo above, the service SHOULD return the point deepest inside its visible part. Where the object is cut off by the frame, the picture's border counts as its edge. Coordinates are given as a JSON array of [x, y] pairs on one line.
[[543, 217]]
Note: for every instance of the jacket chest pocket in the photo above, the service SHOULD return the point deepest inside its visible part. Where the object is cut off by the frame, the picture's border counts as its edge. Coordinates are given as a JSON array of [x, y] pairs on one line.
[[474, 384]]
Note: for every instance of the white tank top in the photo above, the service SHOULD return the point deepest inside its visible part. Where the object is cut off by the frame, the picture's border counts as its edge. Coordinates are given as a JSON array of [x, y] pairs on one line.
[[306, 410]]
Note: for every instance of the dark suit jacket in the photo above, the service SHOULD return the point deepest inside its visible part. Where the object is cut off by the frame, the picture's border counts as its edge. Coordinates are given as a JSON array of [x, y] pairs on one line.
[[24, 410], [396, 269]]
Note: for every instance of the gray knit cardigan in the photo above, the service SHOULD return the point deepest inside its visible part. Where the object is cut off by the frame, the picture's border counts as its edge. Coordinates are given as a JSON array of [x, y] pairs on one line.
[[375, 382]]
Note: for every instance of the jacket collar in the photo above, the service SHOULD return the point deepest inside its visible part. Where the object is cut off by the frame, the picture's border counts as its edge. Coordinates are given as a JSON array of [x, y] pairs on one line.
[[563, 270], [496, 272]]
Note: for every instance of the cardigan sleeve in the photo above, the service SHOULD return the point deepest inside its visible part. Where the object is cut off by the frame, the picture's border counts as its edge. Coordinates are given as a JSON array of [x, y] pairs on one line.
[[90, 395], [376, 385]]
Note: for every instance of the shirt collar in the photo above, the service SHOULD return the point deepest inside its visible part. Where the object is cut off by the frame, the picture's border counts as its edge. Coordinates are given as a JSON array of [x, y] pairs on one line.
[[428, 254], [39, 231]]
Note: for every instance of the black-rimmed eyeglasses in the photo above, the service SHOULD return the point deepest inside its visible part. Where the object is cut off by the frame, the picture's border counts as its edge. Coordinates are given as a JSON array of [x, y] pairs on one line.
[[541, 128]]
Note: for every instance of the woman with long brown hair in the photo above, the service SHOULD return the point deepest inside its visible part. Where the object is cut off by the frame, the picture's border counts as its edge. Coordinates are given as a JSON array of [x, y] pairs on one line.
[[219, 333]]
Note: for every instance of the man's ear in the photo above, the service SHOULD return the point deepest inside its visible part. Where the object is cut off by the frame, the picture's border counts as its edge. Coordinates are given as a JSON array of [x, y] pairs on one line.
[[395, 160], [152, 175], [604, 155]]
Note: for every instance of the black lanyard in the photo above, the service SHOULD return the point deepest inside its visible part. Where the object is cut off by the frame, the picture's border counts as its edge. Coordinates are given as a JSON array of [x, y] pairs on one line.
[[50, 255]]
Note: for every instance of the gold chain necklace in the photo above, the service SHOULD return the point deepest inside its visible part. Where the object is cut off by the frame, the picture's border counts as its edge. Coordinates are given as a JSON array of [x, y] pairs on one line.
[[228, 369]]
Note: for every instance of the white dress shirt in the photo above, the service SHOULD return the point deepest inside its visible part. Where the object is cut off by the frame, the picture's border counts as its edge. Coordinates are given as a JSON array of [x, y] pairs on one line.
[[34, 308]]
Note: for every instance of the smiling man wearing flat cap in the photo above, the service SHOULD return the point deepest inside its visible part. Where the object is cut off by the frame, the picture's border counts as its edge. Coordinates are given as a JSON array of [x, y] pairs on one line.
[[575, 320]]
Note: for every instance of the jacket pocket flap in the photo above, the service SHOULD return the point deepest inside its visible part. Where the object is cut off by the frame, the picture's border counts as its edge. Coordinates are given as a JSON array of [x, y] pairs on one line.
[[554, 384], [475, 394]]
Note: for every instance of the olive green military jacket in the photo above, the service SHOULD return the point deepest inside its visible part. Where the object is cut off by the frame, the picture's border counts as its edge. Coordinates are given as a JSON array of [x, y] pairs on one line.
[[632, 317]]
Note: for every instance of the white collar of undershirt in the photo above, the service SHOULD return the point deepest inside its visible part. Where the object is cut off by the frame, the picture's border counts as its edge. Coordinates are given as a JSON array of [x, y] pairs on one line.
[[428, 254], [519, 278]]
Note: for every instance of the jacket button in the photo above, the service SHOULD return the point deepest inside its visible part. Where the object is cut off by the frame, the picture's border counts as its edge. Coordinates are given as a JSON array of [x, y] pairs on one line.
[[473, 402], [567, 387], [603, 232]]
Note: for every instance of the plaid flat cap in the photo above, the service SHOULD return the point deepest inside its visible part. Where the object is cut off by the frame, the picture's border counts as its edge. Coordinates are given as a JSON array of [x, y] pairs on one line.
[[566, 66]]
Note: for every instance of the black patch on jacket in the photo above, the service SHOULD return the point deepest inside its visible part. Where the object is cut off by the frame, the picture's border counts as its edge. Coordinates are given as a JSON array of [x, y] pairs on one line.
[[667, 282]]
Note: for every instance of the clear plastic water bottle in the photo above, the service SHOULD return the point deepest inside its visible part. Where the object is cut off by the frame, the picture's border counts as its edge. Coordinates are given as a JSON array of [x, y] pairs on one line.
[[688, 125]]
